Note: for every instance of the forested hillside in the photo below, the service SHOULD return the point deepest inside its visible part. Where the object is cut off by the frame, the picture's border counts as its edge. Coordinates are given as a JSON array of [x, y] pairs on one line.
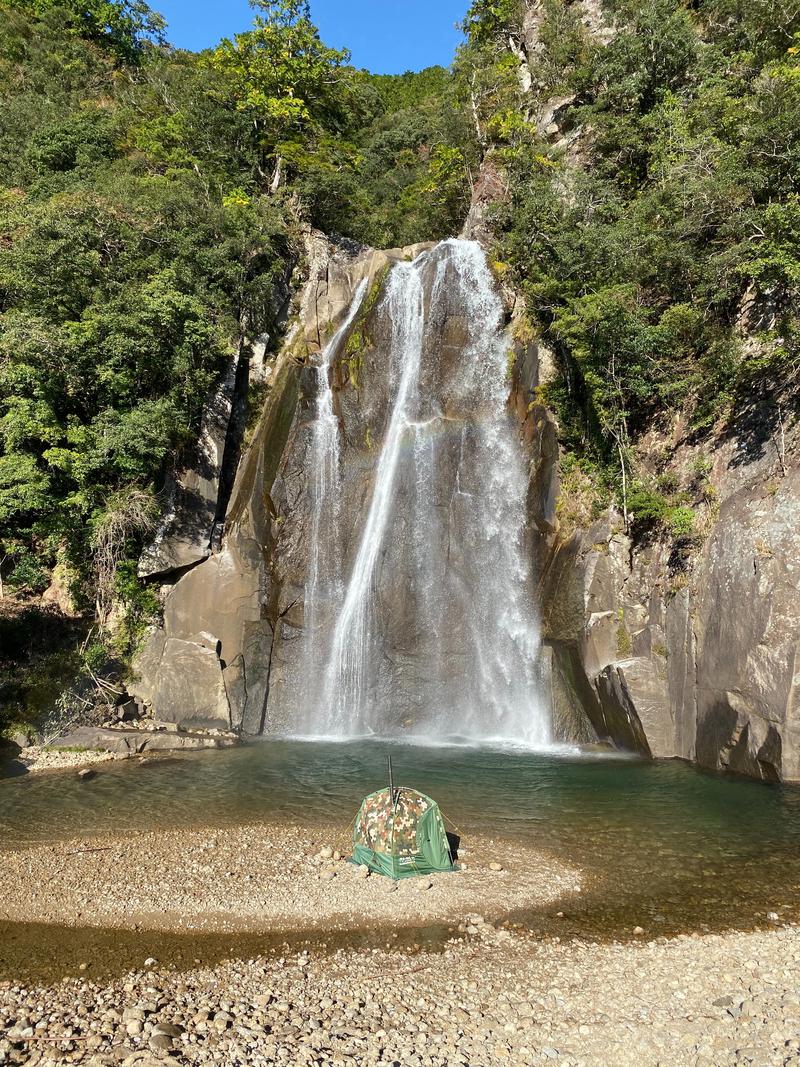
[[150, 202], [652, 152]]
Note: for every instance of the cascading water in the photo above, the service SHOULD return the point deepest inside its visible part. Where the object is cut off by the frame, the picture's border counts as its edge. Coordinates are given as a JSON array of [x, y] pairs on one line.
[[430, 626], [324, 576]]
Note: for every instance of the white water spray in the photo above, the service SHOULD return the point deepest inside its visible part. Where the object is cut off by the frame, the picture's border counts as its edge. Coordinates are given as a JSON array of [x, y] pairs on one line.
[[324, 578], [435, 634]]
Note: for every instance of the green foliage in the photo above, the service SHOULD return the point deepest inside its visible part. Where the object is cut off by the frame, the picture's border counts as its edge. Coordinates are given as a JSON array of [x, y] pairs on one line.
[[281, 76], [39, 656], [652, 511], [681, 521], [672, 227], [398, 170], [127, 264], [359, 342], [488, 21], [123, 26], [624, 642]]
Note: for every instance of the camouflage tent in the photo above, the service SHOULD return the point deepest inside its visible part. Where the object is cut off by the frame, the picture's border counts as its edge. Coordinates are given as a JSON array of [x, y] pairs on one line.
[[400, 834]]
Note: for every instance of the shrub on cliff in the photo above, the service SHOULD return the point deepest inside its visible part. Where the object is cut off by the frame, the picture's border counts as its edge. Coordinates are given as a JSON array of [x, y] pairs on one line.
[[653, 226]]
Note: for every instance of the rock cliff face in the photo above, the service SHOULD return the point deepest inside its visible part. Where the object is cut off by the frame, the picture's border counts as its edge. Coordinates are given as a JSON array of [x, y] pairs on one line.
[[666, 653], [697, 658], [690, 654], [234, 610]]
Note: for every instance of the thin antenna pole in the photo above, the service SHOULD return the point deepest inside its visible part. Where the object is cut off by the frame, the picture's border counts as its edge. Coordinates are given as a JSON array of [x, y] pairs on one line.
[[391, 781]]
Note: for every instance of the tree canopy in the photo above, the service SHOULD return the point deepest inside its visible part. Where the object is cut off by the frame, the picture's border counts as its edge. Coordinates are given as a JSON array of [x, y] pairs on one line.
[[149, 203]]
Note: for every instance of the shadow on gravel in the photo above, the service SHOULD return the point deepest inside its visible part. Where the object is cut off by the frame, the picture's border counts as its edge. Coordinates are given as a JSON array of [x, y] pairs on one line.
[[40, 952]]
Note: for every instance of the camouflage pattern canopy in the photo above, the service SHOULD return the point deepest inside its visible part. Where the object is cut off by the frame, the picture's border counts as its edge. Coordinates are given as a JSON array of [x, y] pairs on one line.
[[401, 836]]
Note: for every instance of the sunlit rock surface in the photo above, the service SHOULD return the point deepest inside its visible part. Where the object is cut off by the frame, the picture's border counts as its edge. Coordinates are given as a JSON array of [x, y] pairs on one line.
[[700, 663]]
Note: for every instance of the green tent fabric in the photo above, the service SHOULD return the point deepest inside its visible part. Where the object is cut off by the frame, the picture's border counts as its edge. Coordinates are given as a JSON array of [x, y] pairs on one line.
[[401, 836]]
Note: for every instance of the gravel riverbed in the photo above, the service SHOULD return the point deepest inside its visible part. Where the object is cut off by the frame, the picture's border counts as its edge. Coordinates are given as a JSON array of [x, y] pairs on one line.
[[260, 877], [485, 1000], [487, 993], [38, 758]]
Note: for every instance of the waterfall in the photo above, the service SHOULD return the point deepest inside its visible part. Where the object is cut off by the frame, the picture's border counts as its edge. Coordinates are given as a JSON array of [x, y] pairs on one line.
[[345, 691], [432, 630], [324, 571]]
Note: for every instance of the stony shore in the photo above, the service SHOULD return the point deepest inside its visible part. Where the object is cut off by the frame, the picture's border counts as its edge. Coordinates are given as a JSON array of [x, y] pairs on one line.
[[488, 993], [259, 878], [86, 745]]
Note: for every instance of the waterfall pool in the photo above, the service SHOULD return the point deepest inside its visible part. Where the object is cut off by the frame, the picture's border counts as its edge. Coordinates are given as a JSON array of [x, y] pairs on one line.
[[662, 844]]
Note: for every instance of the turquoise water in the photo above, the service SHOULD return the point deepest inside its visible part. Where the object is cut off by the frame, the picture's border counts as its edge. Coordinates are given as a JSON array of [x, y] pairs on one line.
[[663, 845]]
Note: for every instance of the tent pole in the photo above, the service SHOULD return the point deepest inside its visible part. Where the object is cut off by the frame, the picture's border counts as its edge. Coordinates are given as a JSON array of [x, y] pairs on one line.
[[391, 781]]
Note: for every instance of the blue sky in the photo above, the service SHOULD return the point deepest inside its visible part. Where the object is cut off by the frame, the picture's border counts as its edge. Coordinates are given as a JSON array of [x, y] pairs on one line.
[[385, 36]]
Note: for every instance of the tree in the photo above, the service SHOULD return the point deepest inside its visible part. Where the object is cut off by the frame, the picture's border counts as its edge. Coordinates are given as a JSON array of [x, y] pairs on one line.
[[282, 76], [124, 26]]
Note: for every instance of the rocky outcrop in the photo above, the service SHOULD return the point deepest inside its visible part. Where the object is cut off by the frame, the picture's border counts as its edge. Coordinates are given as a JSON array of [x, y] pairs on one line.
[[230, 619], [135, 742], [691, 655], [186, 532]]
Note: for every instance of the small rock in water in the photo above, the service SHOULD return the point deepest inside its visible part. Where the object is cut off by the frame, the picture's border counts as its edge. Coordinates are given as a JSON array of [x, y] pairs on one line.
[[150, 962], [86, 773], [773, 917], [638, 930], [363, 871], [495, 866]]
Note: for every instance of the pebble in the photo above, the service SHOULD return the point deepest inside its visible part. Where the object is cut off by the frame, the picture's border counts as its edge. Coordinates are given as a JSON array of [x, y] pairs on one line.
[[495, 866], [492, 996]]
